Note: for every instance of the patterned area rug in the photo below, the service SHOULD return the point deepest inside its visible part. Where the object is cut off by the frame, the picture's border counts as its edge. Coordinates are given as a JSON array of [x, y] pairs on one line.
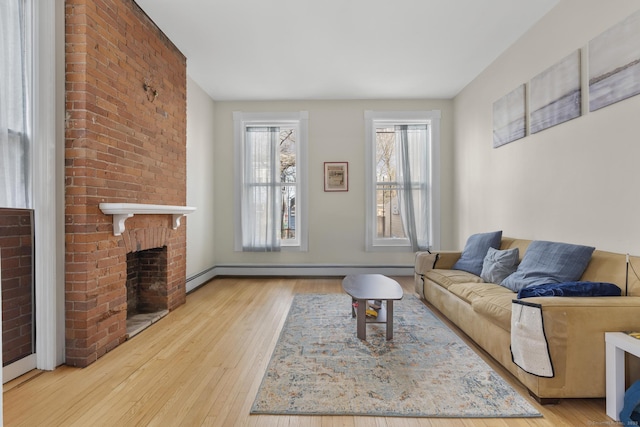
[[320, 367]]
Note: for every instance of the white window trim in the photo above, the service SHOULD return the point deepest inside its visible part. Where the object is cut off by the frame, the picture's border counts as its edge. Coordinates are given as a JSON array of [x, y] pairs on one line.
[[301, 120], [432, 118], [48, 181]]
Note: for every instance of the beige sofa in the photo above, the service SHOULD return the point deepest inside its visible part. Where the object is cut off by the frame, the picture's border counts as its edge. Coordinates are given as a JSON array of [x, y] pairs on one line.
[[574, 326]]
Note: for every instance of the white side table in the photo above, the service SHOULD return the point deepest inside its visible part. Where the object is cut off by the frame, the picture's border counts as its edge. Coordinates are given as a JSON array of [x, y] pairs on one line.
[[617, 343]]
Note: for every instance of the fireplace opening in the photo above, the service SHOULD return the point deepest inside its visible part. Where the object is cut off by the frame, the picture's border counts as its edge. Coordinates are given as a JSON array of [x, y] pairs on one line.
[[147, 297]]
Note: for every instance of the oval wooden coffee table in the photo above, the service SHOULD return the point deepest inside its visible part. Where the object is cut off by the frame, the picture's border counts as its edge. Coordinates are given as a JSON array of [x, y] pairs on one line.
[[363, 287]]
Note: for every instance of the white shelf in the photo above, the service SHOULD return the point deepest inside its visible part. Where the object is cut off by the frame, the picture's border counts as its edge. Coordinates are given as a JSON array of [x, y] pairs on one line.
[[122, 211]]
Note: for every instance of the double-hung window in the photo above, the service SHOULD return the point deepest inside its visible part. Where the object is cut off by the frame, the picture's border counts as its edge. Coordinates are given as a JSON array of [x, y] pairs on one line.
[[271, 176], [15, 106], [402, 157]]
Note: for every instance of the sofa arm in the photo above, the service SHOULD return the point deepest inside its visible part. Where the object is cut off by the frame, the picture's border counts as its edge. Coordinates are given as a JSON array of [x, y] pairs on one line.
[[425, 261], [574, 329]]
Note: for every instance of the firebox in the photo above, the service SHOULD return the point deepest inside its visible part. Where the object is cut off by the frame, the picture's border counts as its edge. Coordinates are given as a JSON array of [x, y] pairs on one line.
[[146, 288]]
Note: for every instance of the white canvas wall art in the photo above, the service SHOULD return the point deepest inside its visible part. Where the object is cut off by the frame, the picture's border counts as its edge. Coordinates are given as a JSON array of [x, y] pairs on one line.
[[509, 117], [614, 64], [556, 96]]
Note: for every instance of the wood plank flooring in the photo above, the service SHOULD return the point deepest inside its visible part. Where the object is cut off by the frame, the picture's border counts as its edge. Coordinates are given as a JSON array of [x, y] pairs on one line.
[[202, 365]]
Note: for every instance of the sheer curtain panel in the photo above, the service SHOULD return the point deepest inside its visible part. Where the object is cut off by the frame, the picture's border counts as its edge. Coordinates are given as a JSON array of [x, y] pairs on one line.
[[15, 69], [412, 150], [261, 190]]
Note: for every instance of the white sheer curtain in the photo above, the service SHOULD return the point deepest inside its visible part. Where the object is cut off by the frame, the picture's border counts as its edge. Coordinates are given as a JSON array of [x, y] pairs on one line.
[[261, 190], [14, 106], [412, 163]]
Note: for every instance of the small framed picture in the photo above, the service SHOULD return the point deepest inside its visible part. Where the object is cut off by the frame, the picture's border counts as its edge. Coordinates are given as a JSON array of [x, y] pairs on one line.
[[336, 176]]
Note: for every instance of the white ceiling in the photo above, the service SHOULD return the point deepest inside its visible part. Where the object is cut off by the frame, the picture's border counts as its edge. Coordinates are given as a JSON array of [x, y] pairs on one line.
[[340, 49]]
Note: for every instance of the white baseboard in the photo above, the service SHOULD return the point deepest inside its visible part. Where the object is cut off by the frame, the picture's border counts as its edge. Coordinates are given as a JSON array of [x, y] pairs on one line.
[[310, 270], [200, 279]]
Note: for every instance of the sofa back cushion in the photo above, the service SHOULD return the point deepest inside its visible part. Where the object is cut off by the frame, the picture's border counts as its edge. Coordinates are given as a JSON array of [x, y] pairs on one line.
[[603, 267], [511, 243], [475, 250], [611, 267], [549, 262]]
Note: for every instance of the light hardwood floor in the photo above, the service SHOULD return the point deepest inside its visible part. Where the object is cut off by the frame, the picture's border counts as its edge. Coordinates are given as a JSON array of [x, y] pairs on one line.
[[203, 363]]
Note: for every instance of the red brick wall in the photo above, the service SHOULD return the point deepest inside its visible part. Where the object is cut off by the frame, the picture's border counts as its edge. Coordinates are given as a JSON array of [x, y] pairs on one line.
[[16, 243], [122, 145]]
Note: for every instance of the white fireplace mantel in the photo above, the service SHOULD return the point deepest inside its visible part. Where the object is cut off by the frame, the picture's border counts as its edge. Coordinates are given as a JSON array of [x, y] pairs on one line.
[[122, 211]]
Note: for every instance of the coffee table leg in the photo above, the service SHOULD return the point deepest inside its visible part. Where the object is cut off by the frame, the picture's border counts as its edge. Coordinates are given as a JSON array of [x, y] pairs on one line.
[[362, 319], [389, 319]]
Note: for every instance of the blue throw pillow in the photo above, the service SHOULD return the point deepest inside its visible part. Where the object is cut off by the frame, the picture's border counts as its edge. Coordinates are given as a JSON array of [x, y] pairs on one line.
[[549, 262], [475, 250], [571, 289], [499, 264]]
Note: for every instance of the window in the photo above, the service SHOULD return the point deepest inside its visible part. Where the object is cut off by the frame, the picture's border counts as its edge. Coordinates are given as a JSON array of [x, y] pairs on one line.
[[402, 180], [15, 114], [271, 175]]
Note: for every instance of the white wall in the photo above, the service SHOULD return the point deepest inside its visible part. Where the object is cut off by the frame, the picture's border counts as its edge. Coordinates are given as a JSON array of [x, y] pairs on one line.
[[337, 229], [576, 182], [200, 182]]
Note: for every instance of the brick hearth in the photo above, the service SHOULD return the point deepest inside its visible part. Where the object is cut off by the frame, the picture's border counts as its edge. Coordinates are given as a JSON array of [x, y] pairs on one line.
[[125, 143]]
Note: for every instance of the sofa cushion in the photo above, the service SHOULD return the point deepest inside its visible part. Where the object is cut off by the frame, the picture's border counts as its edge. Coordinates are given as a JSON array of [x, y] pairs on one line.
[[475, 250], [469, 292], [446, 278], [496, 308], [549, 262], [498, 264]]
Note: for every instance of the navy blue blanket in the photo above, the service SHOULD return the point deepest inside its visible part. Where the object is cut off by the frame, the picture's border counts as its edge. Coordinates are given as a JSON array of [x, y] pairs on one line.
[[571, 289]]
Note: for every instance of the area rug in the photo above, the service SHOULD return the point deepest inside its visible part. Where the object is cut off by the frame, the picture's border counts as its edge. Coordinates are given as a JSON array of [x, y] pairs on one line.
[[320, 367]]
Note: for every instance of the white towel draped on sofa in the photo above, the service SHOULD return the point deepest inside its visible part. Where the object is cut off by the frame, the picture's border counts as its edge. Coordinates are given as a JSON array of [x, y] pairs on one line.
[[529, 347]]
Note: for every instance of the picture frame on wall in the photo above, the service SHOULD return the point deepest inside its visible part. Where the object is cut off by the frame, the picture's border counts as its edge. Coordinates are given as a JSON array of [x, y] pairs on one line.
[[336, 176]]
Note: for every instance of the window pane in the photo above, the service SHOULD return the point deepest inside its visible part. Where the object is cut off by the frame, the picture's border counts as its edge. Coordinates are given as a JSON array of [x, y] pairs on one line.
[[385, 155], [15, 108], [389, 222], [287, 153], [259, 154], [288, 212]]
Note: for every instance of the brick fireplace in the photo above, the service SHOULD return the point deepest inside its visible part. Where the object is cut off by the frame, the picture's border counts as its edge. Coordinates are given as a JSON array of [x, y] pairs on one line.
[[125, 143]]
